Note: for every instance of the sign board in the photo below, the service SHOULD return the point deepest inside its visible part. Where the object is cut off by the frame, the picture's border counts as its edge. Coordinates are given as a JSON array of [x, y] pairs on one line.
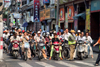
[[11, 24], [46, 1], [17, 15], [87, 19], [47, 13], [52, 12], [7, 3], [36, 10]]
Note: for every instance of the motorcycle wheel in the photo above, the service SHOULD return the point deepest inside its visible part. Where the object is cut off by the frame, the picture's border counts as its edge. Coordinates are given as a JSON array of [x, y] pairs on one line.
[[39, 55], [16, 55], [25, 55], [57, 57], [81, 56]]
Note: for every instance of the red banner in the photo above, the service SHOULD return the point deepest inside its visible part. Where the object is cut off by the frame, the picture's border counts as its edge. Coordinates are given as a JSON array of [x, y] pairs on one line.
[[70, 12], [62, 14]]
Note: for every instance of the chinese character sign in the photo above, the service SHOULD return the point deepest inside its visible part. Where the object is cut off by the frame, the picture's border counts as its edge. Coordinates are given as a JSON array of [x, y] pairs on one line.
[[46, 1], [36, 10]]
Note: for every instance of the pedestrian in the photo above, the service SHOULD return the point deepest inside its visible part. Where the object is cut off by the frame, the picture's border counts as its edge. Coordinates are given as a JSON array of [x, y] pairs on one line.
[[71, 43], [98, 59]]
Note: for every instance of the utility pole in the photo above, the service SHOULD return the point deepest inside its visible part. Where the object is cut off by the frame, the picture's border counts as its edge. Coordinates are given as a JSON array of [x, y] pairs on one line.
[[57, 18], [16, 12], [1, 30]]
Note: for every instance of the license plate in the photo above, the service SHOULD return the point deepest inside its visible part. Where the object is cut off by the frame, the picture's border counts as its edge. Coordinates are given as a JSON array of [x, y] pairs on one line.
[[56, 46], [26, 45]]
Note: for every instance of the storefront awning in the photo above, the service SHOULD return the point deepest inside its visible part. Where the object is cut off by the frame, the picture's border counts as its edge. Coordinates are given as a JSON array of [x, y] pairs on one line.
[[83, 15], [25, 24]]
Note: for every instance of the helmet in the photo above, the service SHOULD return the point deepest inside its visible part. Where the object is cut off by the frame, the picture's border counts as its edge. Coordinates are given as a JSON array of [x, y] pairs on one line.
[[23, 31], [44, 34], [38, 32], [48, 33], [79, 31]]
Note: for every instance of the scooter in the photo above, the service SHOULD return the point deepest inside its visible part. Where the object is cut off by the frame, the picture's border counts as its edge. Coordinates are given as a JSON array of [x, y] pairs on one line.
[[56, 51], [81, 53], [65, 49], [42, 47], [15, 48]]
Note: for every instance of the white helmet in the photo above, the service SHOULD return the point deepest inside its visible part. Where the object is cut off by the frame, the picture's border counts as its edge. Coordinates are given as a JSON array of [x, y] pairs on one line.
[[79, 31], [48, 33]]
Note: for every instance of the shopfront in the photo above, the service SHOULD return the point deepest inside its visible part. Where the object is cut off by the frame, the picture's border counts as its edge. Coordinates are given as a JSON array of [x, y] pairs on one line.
[[95, 19]]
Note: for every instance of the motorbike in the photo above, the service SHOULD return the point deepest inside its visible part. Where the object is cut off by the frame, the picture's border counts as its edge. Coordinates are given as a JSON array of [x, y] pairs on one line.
[[15, 48], [65, 49], [40, 48], [26, 47], [81, 53], [56, 51]]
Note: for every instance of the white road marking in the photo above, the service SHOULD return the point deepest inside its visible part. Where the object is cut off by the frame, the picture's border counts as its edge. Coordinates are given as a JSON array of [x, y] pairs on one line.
[[24, 64], [44, 64], [66, 64], [11, 60], [84, 63]]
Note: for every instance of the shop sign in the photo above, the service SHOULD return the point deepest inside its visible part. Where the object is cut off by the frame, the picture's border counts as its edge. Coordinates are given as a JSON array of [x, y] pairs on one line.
[[42, 15], [36, 10], [62, 14], [87, 19], [46, 1], [95, 5], [52, 2], [70, 12], [47, 13], [52, 13]]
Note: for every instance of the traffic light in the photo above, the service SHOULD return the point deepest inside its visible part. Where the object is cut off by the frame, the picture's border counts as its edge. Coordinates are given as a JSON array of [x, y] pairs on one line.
[[1, 6]]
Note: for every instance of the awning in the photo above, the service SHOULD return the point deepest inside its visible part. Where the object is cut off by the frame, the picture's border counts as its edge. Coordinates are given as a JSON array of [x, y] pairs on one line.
[[25, 24], [29, 7], [83, 15]]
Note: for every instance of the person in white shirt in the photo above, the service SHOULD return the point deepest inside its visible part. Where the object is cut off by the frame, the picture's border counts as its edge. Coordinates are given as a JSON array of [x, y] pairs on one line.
[[81, 37], [66, 34], [88, 41]]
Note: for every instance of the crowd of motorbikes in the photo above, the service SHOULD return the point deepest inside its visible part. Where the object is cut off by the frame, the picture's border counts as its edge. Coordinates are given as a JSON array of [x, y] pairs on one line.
[[80, 51]]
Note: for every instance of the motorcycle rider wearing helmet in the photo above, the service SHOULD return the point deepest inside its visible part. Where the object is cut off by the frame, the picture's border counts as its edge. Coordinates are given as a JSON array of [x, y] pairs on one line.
[[14, 37], [38, 39], [52, 47], [24, 40]]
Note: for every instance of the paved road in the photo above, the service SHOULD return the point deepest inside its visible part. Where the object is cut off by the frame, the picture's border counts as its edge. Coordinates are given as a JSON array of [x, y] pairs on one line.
[[10, 62]]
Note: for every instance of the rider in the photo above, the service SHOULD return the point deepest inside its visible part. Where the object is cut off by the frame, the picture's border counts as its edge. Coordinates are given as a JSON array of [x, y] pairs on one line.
[[25, 39], [88, 40], [52, 47], [14, 37], [38, 39]]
